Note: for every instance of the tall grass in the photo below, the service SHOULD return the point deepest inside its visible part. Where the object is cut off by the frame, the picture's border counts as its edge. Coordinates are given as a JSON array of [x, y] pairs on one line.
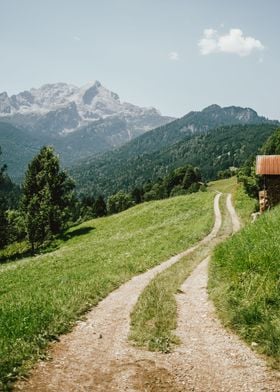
[[42, 297], [245, 283], [227, 185], [244, 204]]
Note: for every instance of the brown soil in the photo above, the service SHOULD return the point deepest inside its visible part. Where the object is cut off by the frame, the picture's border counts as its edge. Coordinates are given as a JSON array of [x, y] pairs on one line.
[[96, 355]]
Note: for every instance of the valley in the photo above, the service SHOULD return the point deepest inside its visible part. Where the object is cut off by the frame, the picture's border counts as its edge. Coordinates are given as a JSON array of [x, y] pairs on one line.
[[139, 196], [106, 327], [84, 267], [131, 166], [109, 138]]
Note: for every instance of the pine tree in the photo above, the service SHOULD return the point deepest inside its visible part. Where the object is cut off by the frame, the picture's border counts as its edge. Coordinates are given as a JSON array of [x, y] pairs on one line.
[[100, 208], [47, 197], [119, 202], [137, 195], [3, 223], [3, 208]]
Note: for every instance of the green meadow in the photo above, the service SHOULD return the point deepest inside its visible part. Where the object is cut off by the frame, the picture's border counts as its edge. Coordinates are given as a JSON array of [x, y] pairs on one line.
[[245, 284], [42, 297], [154, 318]]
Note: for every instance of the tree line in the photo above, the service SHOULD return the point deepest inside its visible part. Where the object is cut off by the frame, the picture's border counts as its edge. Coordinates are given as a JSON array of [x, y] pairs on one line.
[[181, 181], [215, 152], [47, 203], [246, 175]]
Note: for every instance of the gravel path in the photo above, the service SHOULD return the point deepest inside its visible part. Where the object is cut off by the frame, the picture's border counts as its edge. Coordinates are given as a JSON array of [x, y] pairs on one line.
[[234, 218], [97, 357], [215, 359]]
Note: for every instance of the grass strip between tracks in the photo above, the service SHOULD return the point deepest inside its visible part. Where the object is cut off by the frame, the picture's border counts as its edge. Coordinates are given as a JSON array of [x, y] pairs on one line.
[[154, 317]]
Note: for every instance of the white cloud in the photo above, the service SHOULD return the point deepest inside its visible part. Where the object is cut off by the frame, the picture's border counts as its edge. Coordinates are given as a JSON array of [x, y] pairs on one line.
[[174, 56], [233, 42], [76, 38]]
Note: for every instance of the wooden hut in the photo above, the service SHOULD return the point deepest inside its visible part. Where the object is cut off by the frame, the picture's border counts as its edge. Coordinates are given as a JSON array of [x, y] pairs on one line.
[[268, 166]]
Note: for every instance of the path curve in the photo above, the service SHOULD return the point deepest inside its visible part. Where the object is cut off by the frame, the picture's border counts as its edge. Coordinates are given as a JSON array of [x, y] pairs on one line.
[[214, 358], [233, 215], [96, 356]]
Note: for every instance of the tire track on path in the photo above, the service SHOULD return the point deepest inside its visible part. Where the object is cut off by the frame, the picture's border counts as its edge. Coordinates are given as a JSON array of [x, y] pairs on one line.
[[96, 355], [215, 359]]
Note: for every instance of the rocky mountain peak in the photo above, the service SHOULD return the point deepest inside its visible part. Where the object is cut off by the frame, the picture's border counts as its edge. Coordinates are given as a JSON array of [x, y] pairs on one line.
[[60, 108], [212, 108], [93, 102]]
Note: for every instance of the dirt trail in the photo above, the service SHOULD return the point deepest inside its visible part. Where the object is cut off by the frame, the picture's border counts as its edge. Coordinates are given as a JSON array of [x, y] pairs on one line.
[[96, 356], [234, 218], [214, 358]]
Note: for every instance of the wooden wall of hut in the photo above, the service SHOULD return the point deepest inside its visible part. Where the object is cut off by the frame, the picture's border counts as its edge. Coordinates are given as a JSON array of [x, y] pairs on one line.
[[272, 186]]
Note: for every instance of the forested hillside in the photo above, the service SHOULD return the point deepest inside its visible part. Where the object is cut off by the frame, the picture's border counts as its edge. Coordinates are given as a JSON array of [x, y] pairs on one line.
[[192, 123], [212, 152], [24, 133], [18, 148]]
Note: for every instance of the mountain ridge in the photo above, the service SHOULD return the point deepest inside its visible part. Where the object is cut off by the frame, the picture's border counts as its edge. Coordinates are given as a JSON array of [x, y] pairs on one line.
[[152, 154], [211, 117], [87, 144], [80, 106], [78, 121]]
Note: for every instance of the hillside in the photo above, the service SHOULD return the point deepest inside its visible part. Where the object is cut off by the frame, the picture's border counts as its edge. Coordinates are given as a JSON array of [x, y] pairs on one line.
[[213, 151], [192, 123], [18, 148], [83, 122], [244, 284], [50, 292]]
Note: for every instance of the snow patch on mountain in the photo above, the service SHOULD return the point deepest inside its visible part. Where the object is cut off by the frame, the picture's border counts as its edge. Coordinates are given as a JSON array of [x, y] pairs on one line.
[[93, 102]]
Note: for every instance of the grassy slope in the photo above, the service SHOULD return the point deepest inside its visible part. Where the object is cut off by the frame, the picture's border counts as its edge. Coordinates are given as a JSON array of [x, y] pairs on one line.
[[225, 186], [42, 297], [245, 282], [243, 203], [153, 319]]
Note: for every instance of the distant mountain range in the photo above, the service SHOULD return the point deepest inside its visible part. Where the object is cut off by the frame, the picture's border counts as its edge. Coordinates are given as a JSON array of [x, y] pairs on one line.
[[77, 121], [104, 140], [59, 109], [214, 139], [192, 123]]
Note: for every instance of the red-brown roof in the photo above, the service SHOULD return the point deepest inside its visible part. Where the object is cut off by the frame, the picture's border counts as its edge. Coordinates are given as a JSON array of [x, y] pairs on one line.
[[268, 164]]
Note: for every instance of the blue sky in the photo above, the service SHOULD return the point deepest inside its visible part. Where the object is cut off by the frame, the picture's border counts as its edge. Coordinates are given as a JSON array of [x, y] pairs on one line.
[[148, 51]]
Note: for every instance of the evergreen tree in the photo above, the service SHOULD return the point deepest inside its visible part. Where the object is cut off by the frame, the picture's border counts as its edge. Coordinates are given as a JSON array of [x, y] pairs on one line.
[[100, 208], [137, 195], [3, 209], [47, 197], [192, 175], [272, 145], [3, 223], [87, 207], [119, 202]]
